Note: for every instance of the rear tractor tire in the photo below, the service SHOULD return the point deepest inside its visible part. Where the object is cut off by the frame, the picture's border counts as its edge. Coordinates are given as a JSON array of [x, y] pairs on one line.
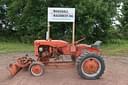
[[36, 69], [90, 66]]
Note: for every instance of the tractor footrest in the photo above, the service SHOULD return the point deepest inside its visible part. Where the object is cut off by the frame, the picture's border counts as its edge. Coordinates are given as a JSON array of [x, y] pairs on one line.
[[60, 65]]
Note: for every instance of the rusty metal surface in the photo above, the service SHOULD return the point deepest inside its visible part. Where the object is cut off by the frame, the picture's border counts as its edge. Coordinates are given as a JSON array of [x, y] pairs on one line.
[[20, 63], [60, 65], [24, 61]]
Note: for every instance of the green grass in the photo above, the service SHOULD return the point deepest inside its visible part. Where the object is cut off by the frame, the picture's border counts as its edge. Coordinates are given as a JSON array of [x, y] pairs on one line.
[[8, 47], [116, 49]]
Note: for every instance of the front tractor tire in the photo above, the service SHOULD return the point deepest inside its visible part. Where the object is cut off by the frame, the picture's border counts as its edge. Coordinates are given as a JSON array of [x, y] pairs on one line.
[[36, 69], [90, 66]]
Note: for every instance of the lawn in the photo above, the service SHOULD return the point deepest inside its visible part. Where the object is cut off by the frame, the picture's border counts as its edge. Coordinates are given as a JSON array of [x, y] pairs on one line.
[[6, 47], [107, 49], [116, 49]]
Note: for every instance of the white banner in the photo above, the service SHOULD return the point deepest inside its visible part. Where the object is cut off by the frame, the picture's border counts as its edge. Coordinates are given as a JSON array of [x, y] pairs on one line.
[[61, 14]]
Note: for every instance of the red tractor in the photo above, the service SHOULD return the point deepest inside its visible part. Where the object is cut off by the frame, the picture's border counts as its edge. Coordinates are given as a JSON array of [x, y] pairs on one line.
[[87, 58]]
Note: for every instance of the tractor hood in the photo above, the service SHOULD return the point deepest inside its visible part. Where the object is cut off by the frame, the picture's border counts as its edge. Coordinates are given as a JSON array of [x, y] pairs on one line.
[[53, 43]]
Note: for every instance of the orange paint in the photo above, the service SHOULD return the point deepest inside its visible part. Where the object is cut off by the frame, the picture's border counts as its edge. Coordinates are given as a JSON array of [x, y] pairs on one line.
[[36, 69], [90, 66]]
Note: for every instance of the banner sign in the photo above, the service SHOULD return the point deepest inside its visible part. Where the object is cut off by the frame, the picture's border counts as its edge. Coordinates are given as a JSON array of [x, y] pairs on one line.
[[61, 14]]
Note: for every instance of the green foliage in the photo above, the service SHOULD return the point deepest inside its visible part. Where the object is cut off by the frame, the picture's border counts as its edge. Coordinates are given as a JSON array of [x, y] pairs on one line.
[[94, 18], [28, 19], [124, 20]]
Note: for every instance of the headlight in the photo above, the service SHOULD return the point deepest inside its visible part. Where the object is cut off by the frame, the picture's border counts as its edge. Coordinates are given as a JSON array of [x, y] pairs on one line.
[[40, 49]]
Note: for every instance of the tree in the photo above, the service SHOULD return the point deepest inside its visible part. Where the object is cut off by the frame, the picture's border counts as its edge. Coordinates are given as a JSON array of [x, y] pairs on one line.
[[4, 22], [93, 18], [124, 20], [2, 16]]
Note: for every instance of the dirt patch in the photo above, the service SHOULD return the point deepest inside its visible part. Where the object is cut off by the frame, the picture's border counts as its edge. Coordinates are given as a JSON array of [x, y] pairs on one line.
[[115, 74]]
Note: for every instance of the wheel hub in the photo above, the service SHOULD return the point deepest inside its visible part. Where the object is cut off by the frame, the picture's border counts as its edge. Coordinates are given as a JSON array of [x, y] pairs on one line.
[[36, 69], [90, 66]]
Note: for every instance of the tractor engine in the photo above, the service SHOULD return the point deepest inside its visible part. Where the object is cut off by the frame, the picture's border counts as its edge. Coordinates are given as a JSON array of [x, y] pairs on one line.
[[47, 52]]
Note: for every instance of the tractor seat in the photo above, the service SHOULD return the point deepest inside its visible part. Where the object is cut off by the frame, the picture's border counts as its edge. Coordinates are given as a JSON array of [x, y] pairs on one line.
[[96, 44]]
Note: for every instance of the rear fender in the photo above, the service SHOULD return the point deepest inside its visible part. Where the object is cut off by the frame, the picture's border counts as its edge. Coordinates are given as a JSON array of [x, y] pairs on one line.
[[82, 48]]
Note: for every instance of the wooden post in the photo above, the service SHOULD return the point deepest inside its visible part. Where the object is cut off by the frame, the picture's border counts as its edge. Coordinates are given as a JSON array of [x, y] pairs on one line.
[[48, 31], [73, 47], [73, 33]]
